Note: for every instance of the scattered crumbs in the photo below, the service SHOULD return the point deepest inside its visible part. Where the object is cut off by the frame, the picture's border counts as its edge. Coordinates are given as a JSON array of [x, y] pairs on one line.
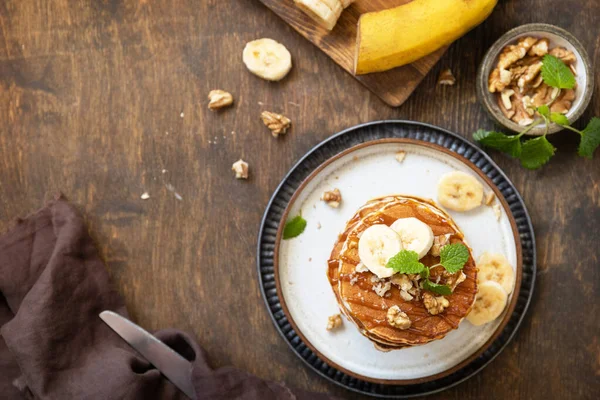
[[224, 137], [171, 188], [233, 132], [181, 115], [426, 355], [260, 103], [489, 198], [400, 156], [167, 132], [355, 158], [164, 171], [337, 177], [290, 283], [294, 104], [310, 259], [497, 211], [145, 196], [318, 225], [314, 206], [23, 46], [210, 142]]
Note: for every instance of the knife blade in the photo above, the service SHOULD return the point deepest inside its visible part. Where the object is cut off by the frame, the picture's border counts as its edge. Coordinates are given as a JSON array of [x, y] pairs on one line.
[[173, 366]]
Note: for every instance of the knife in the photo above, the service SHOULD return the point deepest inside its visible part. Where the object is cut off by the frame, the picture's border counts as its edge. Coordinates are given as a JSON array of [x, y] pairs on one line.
[[173, 366]]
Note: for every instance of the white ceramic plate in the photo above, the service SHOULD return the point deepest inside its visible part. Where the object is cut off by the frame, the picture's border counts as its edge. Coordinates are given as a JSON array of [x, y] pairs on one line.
[[362, 173]]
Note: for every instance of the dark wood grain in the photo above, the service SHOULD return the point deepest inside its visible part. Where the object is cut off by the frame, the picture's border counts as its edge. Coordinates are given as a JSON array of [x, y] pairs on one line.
[[91, 94], [393, 86]]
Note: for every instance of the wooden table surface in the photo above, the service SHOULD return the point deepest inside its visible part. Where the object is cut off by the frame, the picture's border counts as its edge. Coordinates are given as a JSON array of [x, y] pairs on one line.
[[106, 99]]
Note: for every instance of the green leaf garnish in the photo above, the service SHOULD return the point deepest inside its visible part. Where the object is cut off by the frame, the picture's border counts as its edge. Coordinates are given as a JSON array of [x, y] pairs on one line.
[[406, 262], [437, 288], [555, 73], [590, 138], [559, 118], [453, 257], [544, 110], [425, 273], [536, 152], [294, 227], [499, 141]]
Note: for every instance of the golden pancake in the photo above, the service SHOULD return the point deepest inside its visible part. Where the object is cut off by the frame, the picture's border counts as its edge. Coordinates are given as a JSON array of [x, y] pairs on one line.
[[355, 291]]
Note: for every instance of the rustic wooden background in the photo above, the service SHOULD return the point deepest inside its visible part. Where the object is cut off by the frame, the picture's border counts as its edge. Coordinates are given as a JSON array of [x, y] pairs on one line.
[[98, 97]]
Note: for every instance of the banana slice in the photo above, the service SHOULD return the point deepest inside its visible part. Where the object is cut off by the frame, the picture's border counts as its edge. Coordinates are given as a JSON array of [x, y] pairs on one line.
[[323, 12], [495, 267], [414, 235], [377, 244], [267, 59], [459, 191], [489, 303]]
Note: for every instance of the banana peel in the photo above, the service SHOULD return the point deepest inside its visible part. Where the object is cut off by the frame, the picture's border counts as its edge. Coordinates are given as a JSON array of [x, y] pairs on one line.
[[398, 36]]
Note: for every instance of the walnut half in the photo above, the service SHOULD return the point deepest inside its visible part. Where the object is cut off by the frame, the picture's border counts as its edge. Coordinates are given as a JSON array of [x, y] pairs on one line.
[[219, 99], [397, 318], [435, 305], [334, 322], [277, 123], [333, 198], [446, 78]]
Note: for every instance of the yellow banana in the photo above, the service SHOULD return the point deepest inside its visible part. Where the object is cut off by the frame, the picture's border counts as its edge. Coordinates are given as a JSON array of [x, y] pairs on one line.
[[401, 35]]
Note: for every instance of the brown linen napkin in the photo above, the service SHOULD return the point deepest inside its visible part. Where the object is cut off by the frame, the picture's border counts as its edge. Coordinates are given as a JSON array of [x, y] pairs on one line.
[[53, 345]]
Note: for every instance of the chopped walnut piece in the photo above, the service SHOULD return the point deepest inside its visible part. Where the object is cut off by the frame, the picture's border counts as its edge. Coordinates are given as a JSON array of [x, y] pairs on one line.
[[497, 211], [563, 102], [397, 318], [406, 296], [446, 78], [219, 99], [277, 123], [453, 280], [495, 82], [573, 69], [513, 53], [489, 198], [438, 243], [400, 156], [539, 49], [532, 72], [333, 198], [334, 322], [382, 288], [435, 305], [566, 56], [361, 268], [508, 113], [241, 169], [505, 97], [402, 281]]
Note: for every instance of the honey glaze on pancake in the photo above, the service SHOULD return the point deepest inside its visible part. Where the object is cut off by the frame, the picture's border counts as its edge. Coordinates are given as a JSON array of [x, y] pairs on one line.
[[368, 310]]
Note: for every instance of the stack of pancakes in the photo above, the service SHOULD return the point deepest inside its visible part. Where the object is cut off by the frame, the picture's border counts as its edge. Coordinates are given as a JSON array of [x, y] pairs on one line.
[[355, 291]]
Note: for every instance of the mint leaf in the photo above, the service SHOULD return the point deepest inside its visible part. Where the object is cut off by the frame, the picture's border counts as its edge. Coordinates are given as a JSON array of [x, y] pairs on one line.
[[536, 152], [437, 288], [406, 262], [294, 227], [555, 73], [590, 138], [453, 257], [544, 110], [559, 118], [499, 141]]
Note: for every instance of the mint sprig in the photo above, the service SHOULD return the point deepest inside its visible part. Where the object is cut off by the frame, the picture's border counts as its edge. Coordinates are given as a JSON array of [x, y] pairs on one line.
[[453, 258], [534, 153], [437, 288], [406, 262], [294, 227], [555, 73]]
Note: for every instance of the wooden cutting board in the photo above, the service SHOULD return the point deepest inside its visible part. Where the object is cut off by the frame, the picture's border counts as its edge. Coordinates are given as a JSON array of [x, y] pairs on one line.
[[393, 86]]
